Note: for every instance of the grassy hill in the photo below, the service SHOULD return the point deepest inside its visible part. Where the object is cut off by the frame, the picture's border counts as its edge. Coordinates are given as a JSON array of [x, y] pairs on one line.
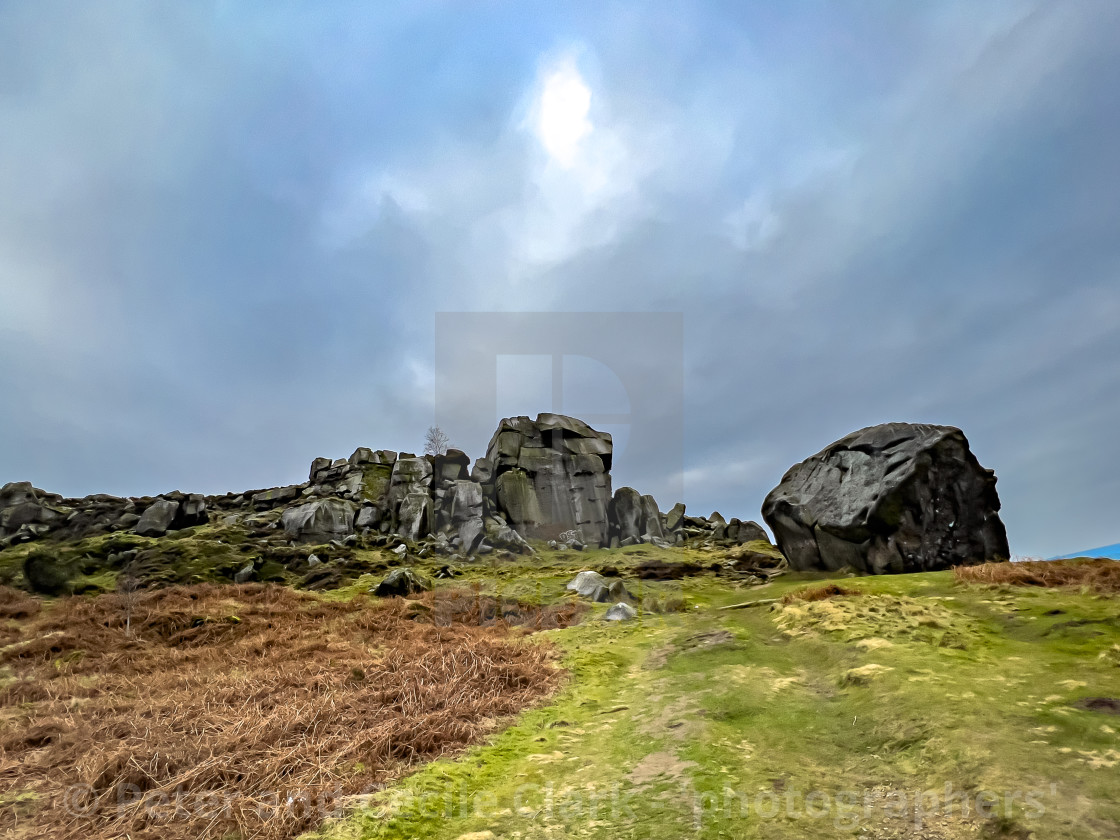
[[915, 706], [928, 705]]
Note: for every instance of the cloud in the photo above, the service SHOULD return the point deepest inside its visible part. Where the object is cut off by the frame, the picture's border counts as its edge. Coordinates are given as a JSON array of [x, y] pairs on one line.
[[224, 233]]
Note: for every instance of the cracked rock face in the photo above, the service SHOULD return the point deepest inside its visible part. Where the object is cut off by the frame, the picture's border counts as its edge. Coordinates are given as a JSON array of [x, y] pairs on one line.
[[319, 521], [552, 475], [899, 497]]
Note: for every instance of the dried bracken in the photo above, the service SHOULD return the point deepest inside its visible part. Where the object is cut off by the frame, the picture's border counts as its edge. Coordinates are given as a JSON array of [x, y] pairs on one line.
[[253, 711], [1097, 575], [819, 593]]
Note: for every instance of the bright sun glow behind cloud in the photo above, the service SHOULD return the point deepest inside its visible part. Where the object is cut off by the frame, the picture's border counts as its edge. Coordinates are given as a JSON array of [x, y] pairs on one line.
[[561, 119]]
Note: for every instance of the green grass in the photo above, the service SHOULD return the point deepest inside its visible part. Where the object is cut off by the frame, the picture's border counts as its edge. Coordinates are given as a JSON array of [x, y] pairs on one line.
[[703, 723], [825, 719]]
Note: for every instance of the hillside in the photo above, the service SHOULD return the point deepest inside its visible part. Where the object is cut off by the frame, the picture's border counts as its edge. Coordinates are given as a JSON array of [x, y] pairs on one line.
[[876, 713], [418, 647], [854, 714]]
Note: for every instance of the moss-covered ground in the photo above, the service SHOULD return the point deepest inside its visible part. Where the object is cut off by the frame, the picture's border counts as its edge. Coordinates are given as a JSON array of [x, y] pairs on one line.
[[917, 707]]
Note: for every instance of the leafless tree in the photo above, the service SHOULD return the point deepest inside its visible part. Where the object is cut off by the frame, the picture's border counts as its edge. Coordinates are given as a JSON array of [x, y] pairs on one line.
[[436, 441], [128, 590]]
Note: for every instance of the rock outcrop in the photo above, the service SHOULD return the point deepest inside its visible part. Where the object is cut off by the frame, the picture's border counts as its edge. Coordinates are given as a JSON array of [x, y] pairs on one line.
[[898, 497], [552, 475], [545, 479]]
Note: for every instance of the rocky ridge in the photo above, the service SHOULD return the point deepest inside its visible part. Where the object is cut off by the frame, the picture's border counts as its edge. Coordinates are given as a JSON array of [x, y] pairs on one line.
[[546, 480], [892, 498]]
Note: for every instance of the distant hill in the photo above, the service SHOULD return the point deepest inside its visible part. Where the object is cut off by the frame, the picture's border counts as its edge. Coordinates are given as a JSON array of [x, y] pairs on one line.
[[1111, 551]]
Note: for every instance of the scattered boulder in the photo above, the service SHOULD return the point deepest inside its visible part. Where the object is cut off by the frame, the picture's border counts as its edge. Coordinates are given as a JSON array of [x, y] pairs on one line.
[[588, 584], [245, 573], [651, 520], [899, 497], [626, 513], [157, 518], [744, 532], [500, 535], [400, 583], [621, 612], [617, 592], [675, 517], [864, 674], [126, 521], [28, 514]]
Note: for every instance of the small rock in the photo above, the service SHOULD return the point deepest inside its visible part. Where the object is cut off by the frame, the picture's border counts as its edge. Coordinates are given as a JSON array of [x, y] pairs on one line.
[[620, 612], [401, 582], [244, 573], [617, 592], [586, 583], [313, 560], [864, 674]]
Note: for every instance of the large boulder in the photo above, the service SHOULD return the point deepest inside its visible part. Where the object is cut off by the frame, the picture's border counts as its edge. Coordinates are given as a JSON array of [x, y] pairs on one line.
[[899, 497], [157, 518], [320, 521], [651, 518], [674, 519], [552, 475], [744, 532], [626, 512], [16, 493]]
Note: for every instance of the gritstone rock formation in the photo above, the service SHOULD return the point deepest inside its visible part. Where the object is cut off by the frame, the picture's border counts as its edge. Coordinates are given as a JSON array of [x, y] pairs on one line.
[[551, 476], [545, 479], [899, 497]]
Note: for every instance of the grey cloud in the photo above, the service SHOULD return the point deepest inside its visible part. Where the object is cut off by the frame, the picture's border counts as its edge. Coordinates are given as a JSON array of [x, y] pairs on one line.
[[941, 182]]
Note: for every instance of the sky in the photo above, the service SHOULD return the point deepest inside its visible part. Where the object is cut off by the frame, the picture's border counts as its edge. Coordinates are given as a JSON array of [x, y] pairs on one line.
[[226, 230]]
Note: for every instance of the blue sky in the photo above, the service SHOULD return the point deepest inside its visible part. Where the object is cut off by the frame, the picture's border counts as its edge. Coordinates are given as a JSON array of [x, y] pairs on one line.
[[225, 229]]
